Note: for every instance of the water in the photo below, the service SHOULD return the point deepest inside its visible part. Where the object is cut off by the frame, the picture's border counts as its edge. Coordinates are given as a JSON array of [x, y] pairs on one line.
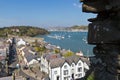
[[75, 41]]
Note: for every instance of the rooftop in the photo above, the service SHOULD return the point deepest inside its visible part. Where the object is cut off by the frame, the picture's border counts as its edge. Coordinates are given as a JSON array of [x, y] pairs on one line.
[[28, 55], [58, 62], [51, 56]]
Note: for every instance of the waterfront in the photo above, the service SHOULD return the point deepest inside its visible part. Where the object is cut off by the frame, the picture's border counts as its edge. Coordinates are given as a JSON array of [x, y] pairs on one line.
[[75, 41], [25, 56]]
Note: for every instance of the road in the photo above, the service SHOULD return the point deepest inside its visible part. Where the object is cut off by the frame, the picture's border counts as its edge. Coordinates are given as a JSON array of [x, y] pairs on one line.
[[13, 58]]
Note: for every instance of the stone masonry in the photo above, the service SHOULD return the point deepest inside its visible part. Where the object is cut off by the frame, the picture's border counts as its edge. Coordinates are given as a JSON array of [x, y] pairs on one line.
[[104, 32]]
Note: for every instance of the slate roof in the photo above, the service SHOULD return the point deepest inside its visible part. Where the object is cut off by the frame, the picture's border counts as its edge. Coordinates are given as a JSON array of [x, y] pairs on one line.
[[31, 48], [72, 59], [51, 56], [29, 56], [85, 60], [58, 62], [26, 50]]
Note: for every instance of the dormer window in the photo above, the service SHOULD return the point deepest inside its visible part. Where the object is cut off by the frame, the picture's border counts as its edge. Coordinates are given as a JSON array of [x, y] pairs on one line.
[[55, 72], [72, 65], [65, 67], [79, 64]]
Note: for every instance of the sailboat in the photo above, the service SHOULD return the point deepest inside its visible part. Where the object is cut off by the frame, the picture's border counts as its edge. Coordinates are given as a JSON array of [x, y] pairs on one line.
[[85, 40]]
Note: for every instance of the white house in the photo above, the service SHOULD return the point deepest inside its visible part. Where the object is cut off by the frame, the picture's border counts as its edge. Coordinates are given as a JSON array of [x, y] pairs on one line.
[[66, 68], [9, 41], [21, 42], [29, 57], [45, 61]]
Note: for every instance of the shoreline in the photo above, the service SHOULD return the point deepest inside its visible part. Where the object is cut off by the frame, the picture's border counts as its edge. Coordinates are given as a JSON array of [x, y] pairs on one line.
[[68, 30], [75, 41]]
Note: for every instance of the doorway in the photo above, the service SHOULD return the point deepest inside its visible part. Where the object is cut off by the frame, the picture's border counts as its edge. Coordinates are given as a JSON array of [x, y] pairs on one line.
[[58, 78]]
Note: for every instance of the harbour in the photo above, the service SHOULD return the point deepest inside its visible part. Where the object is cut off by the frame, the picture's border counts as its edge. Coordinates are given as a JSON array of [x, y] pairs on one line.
[[74, 41]]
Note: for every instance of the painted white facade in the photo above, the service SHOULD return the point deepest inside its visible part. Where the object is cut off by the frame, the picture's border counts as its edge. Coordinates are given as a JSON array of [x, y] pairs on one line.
[[66, 71], [33, 61], [22, 54], [44, 65], [55, 73], [21, 42], [9, 41], [79, 70]]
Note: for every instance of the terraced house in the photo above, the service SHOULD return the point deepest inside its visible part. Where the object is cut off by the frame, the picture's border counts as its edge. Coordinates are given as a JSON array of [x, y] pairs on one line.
[[70, 68]]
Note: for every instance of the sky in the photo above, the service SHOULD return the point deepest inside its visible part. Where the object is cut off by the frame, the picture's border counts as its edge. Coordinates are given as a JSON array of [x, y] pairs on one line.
[[42, 13]]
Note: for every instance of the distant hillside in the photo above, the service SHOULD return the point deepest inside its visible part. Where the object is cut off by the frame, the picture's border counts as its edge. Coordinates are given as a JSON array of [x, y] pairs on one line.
[[22, 31], [72, 28], [79, 27]]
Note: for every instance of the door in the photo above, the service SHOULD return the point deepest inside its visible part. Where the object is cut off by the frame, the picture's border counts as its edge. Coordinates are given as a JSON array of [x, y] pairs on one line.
[[57, 77]]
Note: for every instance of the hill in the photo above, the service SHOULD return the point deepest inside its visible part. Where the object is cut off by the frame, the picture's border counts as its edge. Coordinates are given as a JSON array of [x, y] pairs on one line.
[[22, 31], [79, 27], [71, 28]]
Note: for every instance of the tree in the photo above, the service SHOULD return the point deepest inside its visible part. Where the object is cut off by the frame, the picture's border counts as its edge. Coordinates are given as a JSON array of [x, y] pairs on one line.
[[40, 49], [91, 76], [23, 31], [57, 51], [69, 53]]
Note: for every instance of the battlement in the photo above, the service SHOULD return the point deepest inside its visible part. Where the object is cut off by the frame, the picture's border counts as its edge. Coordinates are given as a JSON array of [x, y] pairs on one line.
[[97, 6]]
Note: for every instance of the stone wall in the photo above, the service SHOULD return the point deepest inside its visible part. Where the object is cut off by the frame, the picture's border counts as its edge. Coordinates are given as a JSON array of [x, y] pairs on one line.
[[104, 32]]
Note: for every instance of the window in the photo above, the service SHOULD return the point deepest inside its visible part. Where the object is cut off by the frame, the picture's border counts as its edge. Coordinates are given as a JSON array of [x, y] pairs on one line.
[[80, 69], [65, 66], [79, 64], [72, 70], [80, 75], [55, 72], [65, 72], [72, 65], [66, 78]]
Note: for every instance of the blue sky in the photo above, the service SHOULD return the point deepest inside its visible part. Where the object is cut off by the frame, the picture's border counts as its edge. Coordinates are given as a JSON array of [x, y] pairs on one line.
[[43, 13]]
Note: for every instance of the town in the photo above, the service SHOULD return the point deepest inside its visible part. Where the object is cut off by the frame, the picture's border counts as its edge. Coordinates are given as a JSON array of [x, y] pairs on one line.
[[28, 58]]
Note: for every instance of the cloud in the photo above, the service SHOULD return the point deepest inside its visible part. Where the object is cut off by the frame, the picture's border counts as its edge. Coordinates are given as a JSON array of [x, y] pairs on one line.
[[77, 5]]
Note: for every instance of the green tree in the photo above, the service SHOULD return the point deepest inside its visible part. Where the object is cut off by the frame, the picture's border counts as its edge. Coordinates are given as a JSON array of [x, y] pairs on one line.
[[91, 76], [69, 53], [57, 51], [23, 31], [40, 49], [37, 49]]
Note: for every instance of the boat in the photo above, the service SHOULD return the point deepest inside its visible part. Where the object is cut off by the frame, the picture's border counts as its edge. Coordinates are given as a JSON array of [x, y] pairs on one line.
[[56, 37], [69, 36], [85, 40]]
